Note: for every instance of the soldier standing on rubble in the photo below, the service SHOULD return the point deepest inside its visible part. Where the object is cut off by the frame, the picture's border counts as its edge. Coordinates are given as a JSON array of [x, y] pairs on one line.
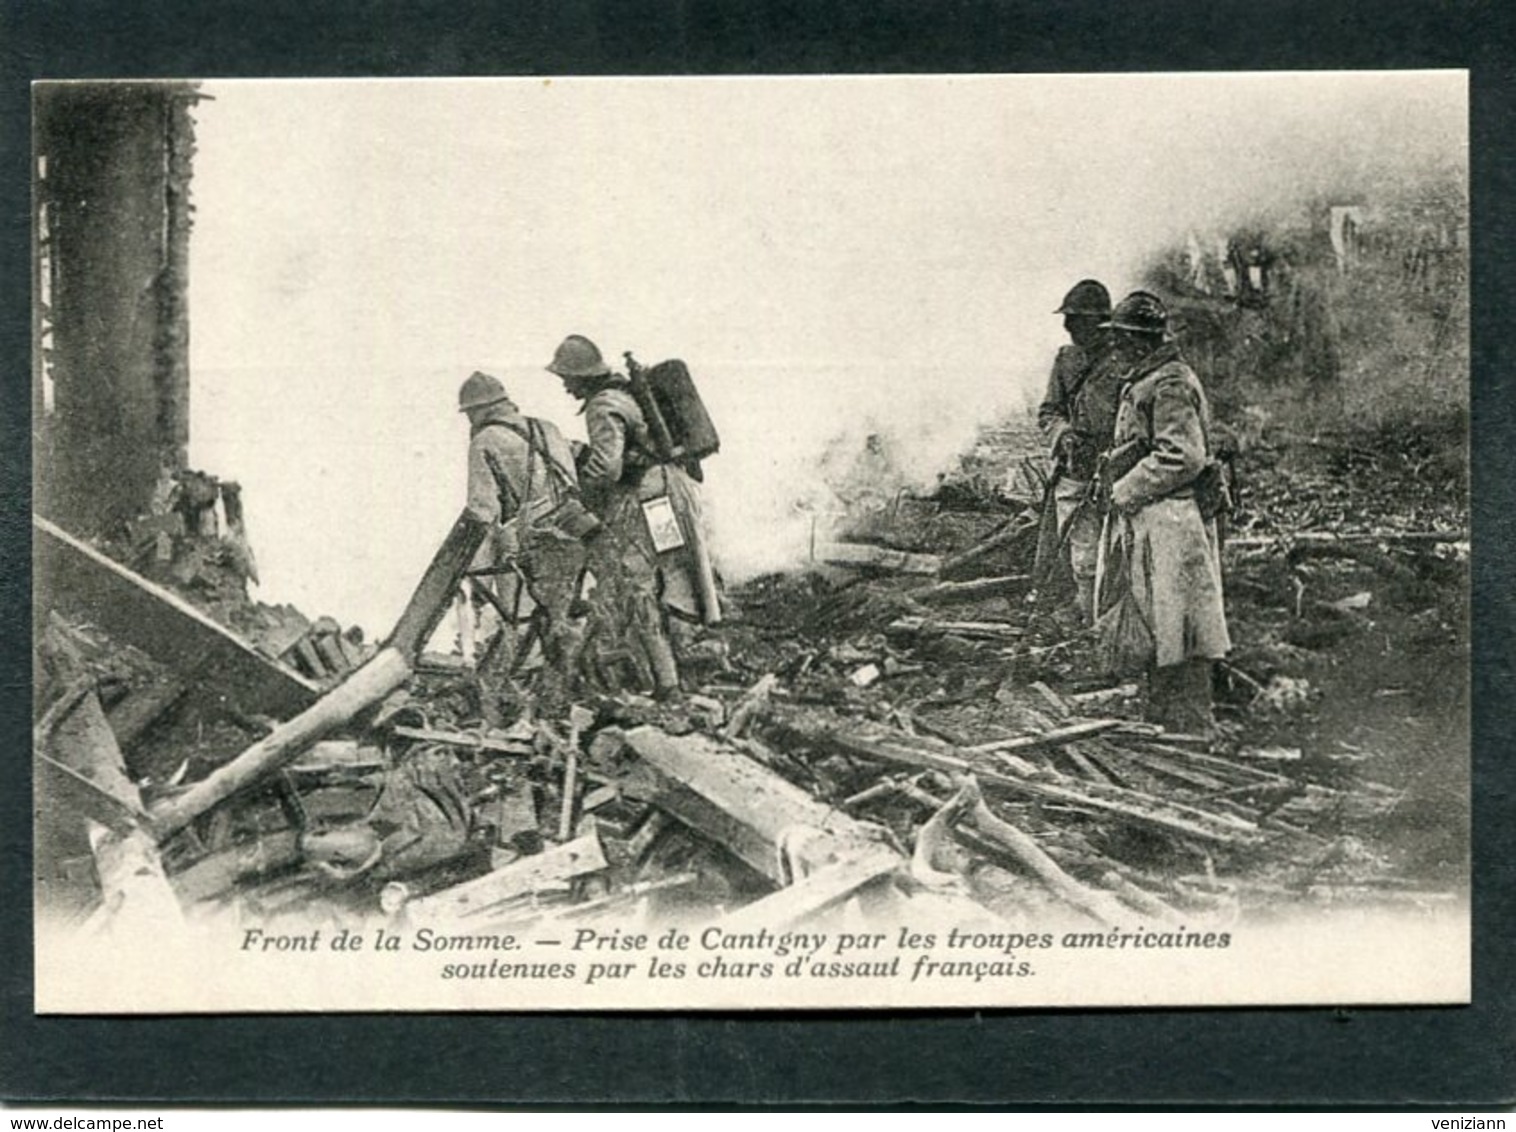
[[1164, 491], [637, 586], [1077, 418], [522, 480]]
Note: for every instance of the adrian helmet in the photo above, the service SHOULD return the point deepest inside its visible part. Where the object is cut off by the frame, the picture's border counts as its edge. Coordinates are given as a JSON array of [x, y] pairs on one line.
[[479, 390], [577, 356], [1088, 296], [1141, 311]]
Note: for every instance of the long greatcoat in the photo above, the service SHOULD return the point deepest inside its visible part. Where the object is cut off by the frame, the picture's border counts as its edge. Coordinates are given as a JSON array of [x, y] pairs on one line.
[[1174, 560]]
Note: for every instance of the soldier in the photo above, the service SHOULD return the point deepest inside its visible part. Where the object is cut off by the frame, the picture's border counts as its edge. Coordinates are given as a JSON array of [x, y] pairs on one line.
[[1165, 491], [643, 570], [1077, 417], [521, 478]]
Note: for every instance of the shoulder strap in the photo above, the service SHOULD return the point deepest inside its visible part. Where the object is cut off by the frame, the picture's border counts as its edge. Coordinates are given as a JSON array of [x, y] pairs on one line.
[[538, 444]]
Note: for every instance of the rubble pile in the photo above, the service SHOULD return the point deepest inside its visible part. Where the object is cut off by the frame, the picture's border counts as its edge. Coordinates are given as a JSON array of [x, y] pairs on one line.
[[900, 720]]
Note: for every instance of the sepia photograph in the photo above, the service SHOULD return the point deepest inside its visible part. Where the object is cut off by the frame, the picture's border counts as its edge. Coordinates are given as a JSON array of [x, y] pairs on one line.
[[750, 543]]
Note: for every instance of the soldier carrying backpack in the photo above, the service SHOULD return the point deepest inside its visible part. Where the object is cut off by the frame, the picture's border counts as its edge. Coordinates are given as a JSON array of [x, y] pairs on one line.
[[647, 433]]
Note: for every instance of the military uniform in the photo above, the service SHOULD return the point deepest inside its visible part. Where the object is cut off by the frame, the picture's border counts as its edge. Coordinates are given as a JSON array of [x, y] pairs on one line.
[[521, 479], [1173, 557], [1080, 400], [636, 580]]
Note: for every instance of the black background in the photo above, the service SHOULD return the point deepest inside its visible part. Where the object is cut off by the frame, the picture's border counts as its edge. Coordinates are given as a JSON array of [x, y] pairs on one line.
[[1301, 1057]]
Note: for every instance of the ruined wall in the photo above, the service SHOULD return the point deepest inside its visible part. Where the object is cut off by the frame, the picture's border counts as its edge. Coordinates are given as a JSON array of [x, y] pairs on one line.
[[112, 221]]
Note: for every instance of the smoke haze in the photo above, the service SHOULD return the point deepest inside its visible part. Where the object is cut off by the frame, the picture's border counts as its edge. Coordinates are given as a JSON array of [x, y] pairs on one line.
[[829, 255]]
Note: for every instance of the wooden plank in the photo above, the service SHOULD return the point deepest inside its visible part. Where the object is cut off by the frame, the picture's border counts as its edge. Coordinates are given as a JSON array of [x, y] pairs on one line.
[[434, 593], [876, 557], [823, 889], [465, 739], [1054, 700], [80, 763], [529, 874], [73, 575], [974, 630], [731, 799], [1054, 738], [135, 895]]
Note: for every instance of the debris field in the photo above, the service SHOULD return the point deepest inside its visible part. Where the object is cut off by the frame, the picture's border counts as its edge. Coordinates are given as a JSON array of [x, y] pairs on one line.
[[901, 719]]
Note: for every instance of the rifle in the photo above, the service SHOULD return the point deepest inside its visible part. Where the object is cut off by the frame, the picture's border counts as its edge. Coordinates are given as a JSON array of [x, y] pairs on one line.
[[1113, 465]]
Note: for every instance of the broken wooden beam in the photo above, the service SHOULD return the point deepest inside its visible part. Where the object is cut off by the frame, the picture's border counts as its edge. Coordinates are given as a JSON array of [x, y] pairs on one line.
[[434, 593], [934, 834], [973, 630], [774, 826], [860, 554], [79, 762], [387, 671], [464, 739], [71, 574], [945, 592], [1055, 738], [1004, 536], [825, 888], [1059, 704], [1093, 902], [135, 895]]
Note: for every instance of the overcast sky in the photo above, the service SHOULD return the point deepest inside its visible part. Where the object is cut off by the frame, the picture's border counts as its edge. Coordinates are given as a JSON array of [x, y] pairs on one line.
[[827, 254]]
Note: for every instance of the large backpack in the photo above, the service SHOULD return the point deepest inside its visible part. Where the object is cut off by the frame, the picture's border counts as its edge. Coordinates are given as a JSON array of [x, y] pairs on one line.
[[679, 427]]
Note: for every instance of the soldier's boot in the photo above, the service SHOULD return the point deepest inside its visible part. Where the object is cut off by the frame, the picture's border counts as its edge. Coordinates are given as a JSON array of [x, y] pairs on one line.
[[1179, 698]]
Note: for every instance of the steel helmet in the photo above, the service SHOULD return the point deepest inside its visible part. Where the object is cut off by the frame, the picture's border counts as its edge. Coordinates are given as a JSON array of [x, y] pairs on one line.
[[1141, 311], [479, 390], [577, 356], [1088, 296]]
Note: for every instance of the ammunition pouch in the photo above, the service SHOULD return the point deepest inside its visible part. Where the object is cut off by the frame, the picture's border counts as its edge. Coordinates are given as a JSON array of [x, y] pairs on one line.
[[572, 518]]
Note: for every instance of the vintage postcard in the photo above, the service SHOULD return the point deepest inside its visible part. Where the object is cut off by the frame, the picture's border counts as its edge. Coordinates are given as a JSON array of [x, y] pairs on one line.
[[876, 542]]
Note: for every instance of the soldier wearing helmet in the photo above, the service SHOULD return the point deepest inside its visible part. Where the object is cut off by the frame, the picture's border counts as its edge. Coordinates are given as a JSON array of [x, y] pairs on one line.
[[522, 480], [1076, 419], [1163, 489], [640, 588]]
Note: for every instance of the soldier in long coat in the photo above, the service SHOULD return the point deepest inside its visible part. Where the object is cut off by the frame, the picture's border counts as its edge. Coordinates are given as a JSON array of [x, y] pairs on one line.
[[642, 582], [1159, 510]]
